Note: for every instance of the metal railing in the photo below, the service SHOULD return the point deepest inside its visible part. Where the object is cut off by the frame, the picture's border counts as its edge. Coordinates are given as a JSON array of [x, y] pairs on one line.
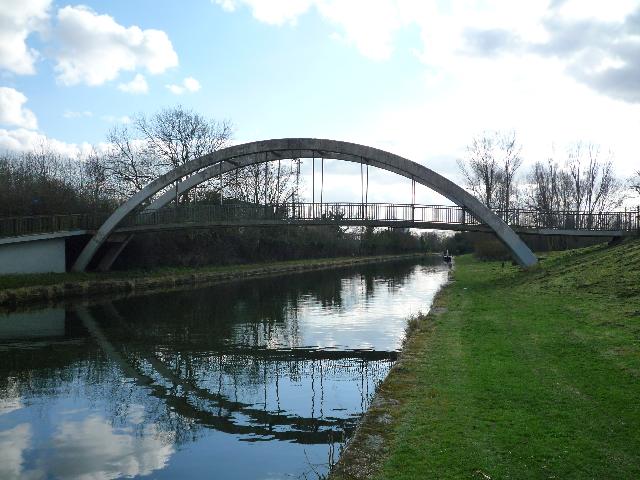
[[626, 221], [17, 226], [301, 213], [381, 212]]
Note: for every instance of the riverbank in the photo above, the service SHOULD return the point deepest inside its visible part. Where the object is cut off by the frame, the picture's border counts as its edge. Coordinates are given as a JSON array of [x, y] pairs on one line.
[[39, 289], [515, 374]]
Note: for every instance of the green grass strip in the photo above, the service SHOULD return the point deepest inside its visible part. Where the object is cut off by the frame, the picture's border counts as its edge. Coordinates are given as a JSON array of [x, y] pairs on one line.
[[527, 375]]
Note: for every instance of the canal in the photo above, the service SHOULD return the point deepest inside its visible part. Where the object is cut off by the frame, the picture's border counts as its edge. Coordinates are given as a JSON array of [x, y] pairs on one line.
[[255, 379]]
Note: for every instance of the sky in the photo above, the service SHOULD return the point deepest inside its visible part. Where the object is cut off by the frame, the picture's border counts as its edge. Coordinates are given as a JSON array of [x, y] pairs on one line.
[[419, 78]]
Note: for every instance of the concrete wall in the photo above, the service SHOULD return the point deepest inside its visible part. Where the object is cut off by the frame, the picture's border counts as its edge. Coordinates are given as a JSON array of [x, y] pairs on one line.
[[38, 256]]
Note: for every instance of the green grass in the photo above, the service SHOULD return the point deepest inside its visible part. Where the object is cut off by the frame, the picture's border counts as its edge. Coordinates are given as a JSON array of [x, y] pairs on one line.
[[43, 279], [530, 374]]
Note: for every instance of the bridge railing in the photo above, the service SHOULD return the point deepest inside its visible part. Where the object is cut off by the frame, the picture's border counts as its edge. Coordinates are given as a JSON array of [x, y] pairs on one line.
[[17, 226], [572, 220], [407, 214], [384, 212], [300, 212]]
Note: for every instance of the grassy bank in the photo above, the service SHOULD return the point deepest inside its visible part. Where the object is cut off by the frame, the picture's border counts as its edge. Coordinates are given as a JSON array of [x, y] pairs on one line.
[[516, 375], [19, 290]]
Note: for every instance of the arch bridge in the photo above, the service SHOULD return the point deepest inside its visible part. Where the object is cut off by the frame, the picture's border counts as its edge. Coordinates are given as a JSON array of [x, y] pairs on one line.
[[144, 210], [238, 156]]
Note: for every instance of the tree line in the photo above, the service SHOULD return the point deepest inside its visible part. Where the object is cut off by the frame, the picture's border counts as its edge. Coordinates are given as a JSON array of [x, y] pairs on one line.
[[43, 182], [582, 179]]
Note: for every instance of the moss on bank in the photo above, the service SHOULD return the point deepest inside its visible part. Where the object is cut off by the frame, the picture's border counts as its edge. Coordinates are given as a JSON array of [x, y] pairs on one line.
[[516, 374]]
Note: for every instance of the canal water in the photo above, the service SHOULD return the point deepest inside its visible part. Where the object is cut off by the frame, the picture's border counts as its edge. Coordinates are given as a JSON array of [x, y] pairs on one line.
[[257, 379]]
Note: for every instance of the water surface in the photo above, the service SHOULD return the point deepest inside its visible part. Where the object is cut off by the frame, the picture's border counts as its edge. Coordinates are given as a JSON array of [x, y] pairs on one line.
[[259, 379]]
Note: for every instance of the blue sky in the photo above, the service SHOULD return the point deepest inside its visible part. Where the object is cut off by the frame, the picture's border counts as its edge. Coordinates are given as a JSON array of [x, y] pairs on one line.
[[418, 78]]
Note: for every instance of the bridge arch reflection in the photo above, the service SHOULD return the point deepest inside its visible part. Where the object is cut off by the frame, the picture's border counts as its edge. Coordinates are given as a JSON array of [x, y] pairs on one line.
[[194, 397]]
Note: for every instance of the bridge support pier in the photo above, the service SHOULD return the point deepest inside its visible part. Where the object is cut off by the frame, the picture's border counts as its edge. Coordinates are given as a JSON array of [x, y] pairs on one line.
[[115, 246]]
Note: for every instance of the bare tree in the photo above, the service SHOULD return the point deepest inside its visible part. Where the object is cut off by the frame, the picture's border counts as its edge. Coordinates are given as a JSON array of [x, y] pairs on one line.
[[481, 171], [585, 183], [175, 135], [595, 187], [94, 180], [550, 188], [269, 182], [509, 151], [634, 182], [161, 142], [490, 167], [129, 165]]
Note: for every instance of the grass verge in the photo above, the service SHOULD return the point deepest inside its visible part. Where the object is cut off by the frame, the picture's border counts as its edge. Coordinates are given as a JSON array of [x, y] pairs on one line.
[[516, 374]]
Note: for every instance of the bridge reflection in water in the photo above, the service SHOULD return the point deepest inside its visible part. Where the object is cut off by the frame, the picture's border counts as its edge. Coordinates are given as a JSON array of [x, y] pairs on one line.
[[260, 373]]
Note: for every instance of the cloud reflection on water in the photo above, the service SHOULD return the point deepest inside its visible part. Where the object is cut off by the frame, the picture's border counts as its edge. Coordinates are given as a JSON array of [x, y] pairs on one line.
[[93, 449], [89, 449], [13, 444]]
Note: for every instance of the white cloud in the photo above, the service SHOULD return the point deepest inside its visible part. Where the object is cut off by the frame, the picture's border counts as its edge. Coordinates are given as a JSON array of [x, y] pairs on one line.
[[368, 25], [94, 49], [498, 83], [372, 26], [596, 9], [175, 89], [189, 84], [74, 114], [137, 85], [274, 12], [18, 19], [117, 119], [441, 26], [23, 140], [530, 94], [12, 111]]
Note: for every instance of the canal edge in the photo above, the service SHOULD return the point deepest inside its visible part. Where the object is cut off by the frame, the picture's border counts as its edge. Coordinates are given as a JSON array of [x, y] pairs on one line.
[[365, 453], [42, 296]]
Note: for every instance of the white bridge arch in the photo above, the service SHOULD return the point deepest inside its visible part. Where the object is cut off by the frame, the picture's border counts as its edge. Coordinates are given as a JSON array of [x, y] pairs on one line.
[[208, 166]]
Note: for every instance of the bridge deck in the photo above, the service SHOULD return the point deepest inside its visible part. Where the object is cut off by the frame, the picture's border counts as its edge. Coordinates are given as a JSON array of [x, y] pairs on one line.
[[437, 217], [456, 227]]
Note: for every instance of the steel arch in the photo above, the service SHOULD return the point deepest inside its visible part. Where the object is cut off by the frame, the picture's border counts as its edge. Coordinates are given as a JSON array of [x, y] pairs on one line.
[[246, 154]]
